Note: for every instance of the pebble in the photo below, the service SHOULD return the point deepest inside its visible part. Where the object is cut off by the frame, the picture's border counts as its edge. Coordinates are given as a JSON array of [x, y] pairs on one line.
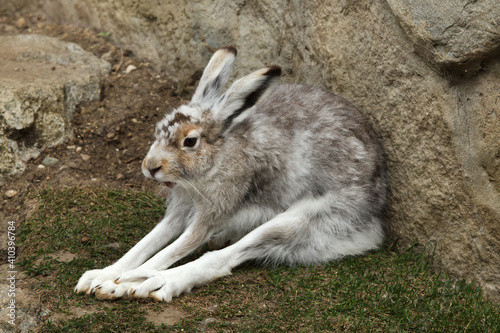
[[41, 166], [78, 149], [50, 161], [130, 68], [85, 157], [21, 23], [119, 176], [11, 193]]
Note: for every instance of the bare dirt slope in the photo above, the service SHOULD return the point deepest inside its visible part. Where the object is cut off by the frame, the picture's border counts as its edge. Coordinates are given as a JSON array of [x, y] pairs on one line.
[[110, 136]]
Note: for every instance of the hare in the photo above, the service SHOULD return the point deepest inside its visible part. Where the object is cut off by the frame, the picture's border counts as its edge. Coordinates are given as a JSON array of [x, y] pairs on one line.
[[297, 178]]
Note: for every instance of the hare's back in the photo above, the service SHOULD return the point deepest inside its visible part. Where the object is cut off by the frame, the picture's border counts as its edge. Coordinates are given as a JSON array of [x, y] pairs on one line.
[[296, 109], [321, 139]]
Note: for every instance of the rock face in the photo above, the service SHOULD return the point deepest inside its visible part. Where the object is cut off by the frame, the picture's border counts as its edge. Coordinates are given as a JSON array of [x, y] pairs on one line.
[[454, 34], [42, 79], [424, 74]]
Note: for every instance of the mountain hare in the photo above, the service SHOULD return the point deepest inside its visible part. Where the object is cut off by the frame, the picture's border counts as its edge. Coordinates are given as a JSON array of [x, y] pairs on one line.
[[298, 178]]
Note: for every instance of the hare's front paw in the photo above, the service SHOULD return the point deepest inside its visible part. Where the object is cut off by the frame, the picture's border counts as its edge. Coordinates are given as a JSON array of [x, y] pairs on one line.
[[92, 280], [136, 275], [110, 290], [110, 283], [165, 286]]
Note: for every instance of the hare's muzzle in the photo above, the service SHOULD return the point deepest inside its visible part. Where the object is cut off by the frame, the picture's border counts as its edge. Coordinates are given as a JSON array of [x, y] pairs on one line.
[[150, 169], [154, 171]]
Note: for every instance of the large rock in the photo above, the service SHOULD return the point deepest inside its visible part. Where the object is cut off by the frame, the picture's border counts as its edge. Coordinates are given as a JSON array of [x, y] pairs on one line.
[[42, 79], [453, 34], [439, 127]]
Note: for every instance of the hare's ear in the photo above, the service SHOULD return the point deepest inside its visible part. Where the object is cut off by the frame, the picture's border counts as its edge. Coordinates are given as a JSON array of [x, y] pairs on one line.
[[236, 104], [215, 77]]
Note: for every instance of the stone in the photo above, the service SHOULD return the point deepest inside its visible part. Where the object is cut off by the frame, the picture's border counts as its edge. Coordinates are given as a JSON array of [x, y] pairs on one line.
[[21, 23], [36, 102], [412, 67], [452, 34], [11, 193], [130, 68], [50, 161]]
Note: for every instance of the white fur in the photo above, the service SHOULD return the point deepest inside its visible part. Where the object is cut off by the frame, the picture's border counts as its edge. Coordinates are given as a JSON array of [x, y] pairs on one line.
[[220, 66]]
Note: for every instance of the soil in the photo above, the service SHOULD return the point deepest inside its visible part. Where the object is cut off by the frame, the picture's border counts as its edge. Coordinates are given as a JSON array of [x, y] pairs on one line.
[[111, 136]]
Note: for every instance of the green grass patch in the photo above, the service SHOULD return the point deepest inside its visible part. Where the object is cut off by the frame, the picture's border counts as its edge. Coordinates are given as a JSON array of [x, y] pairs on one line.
[[380, 292]]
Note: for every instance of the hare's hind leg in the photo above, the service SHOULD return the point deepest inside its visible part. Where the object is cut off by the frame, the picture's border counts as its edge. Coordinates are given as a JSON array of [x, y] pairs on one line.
[[312, 231], [243, 222], [305, 234]]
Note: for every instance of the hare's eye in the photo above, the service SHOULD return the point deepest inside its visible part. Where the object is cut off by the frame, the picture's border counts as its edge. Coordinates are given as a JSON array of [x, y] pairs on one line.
[[190, 142]]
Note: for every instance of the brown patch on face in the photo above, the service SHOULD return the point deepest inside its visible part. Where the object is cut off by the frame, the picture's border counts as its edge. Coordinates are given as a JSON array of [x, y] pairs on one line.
[[184, 159], [183, 131], [164, 165], [168, 169]]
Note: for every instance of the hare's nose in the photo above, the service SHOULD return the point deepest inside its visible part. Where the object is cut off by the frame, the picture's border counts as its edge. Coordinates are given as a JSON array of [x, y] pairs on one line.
[[154, 170]]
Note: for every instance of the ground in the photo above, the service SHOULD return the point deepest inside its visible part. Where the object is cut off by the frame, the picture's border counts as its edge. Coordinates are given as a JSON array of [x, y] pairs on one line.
[[110, 136]]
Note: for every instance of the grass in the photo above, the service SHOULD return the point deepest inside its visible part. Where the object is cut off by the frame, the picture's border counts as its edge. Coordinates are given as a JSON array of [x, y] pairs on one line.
[[104, 34], [380, 292]]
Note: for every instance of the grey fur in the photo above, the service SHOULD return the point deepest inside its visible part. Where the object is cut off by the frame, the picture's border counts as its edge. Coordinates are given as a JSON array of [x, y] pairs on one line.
[[256, 163], [297, 178]]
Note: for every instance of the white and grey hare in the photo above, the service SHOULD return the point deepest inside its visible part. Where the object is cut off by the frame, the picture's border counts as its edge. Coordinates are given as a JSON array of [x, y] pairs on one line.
[[297, 178]]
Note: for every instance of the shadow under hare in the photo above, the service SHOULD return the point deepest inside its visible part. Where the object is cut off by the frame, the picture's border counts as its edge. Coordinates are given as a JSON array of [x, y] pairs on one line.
[[284, 174]]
